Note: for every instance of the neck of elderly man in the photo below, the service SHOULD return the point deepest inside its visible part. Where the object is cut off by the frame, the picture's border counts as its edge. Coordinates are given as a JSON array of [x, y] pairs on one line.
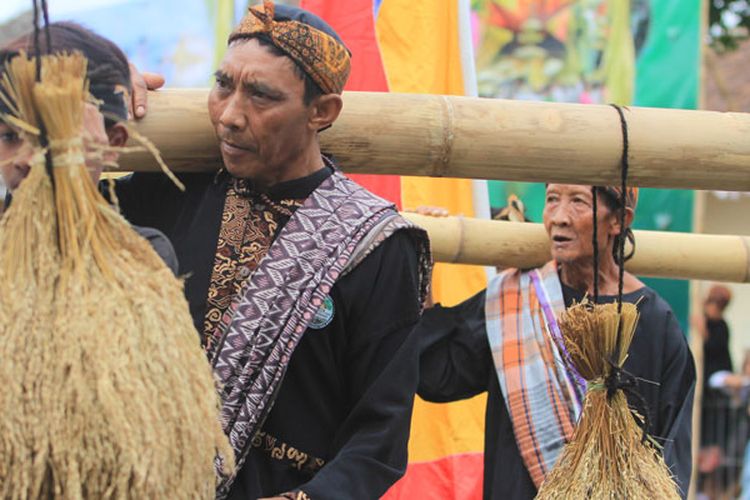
[[266, 124]]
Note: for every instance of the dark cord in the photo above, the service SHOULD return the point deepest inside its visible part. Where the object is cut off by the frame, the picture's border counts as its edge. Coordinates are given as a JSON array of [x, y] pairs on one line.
[[595, 242], [45, 12], [624, 167], [43, 139], [620, 379], [37, 44], [615, 379]]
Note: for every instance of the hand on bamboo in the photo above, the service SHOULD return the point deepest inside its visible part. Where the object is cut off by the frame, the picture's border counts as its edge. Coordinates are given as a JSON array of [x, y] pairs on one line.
[[142, 82], [429, 211]]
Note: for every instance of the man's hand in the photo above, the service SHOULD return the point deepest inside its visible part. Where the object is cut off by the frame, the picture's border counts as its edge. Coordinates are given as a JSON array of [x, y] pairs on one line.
[[429, 211], [142, 83], [698, 324]]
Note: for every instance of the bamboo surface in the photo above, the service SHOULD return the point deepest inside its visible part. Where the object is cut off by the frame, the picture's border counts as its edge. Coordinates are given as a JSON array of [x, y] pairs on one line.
[[426, 135], [517, 244]]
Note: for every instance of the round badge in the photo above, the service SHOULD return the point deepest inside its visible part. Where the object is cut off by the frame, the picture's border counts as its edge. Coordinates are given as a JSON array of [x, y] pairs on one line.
[[324, 315]]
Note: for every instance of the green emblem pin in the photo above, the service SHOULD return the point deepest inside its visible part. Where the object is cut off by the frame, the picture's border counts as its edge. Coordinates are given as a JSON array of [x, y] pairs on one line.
[[324, 315]]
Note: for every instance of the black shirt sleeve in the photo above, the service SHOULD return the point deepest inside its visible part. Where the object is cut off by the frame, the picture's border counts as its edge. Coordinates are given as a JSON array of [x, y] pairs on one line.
[[716, 348], [455, 362], [676, 402], [381, 370]]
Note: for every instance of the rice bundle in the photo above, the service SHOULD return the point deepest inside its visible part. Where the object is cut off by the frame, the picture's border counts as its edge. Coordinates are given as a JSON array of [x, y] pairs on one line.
[[105, 391], [607, 457]]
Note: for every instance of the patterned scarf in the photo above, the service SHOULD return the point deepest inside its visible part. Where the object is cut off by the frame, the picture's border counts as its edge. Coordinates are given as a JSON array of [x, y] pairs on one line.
[[542, 396], [249, 223], [338, 225]]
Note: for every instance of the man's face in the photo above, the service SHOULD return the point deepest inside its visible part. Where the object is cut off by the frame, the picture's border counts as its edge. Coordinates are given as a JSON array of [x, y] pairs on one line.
[[567, 217], [16, 153], [15, 157], [258, 113]]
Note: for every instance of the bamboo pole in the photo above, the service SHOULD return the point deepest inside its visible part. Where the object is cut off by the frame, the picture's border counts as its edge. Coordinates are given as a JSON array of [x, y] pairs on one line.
[[525, 245], [445, 136]]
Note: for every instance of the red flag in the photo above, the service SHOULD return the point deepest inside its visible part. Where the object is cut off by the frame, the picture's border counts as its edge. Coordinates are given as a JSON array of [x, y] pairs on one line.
[[354, 21]]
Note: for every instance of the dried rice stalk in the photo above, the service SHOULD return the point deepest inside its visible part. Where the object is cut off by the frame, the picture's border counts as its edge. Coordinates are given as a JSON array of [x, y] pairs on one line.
[[606, 458], [106, 392]]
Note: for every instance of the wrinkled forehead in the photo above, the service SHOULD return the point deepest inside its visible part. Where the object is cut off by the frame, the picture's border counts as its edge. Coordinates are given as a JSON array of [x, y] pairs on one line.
[[247, 61], [569, 189]]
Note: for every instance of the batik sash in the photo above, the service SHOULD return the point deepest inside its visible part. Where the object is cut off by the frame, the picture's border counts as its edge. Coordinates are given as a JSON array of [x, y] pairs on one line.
[[542, 396], [336, 228]]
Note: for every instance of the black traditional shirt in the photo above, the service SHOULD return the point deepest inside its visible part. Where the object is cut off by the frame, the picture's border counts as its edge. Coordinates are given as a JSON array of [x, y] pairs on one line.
[[456, 363], [340, 424]]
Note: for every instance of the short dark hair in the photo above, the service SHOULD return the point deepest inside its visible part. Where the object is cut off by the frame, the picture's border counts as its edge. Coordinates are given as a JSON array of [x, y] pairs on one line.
[[312, 89], [108, 65]]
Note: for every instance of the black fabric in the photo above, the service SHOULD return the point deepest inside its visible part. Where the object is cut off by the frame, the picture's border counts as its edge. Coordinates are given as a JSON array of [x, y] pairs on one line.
[[456, 363], [159, 242], [161, 246], [291, 13], [348, 393], [714, 406], [716, 355]]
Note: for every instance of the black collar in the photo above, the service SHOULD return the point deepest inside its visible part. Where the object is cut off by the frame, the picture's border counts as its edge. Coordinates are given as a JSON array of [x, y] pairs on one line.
[[296, 189]]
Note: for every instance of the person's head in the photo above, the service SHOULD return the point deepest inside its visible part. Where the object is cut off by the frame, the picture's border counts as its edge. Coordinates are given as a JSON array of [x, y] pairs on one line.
[[568, 219], [279, 84], [717, 300], [108, 73]]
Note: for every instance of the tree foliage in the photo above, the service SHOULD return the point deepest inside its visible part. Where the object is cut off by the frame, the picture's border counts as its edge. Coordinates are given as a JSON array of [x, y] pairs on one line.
[[729, 23]]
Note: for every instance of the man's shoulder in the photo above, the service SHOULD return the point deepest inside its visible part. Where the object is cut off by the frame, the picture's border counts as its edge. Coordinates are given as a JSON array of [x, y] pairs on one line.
[[161, 245], [657, 316]]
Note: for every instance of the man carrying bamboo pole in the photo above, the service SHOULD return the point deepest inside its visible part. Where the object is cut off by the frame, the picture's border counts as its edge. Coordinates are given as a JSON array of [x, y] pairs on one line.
[[501, 341], [304, 286]]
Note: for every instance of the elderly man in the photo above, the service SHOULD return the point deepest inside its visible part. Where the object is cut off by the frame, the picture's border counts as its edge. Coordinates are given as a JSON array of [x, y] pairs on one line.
[[499, 341], [304, 286]]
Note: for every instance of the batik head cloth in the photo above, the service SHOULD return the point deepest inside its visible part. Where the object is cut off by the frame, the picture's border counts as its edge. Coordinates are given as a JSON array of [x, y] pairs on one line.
[[305, 38]]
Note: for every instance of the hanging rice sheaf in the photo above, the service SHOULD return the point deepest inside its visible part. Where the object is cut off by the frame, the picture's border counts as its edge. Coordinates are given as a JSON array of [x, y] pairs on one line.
[[607, 457], [104, 389]]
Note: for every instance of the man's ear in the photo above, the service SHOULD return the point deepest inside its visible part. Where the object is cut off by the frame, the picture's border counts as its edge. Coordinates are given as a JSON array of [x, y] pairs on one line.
[[615, 221], [117, 135], [324, 110]]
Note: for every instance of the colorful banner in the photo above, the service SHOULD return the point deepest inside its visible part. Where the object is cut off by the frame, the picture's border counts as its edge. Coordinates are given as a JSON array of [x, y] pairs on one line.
[[354, 21], [425, 47]]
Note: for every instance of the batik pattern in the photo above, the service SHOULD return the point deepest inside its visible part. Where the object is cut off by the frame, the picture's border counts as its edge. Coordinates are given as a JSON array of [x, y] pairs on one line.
[[244, 238], [320, 55]]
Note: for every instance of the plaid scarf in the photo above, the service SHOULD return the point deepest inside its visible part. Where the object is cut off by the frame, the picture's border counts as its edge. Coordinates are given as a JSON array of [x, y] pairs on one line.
[[338, 225], [543, 398]]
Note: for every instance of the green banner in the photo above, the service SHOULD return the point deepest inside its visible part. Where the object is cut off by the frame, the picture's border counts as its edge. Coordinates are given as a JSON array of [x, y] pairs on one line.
[[578, 51]]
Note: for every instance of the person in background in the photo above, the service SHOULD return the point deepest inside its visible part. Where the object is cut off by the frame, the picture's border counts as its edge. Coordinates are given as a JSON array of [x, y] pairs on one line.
[[109, 78], [498, 341], [724, 398]]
